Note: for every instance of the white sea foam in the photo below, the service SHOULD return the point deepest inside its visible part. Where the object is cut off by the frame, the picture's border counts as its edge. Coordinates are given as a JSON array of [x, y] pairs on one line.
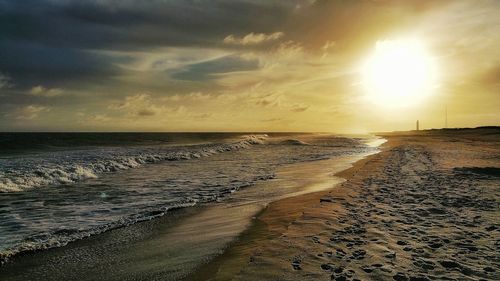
[[68, 173], [63, 236], [40, 218]]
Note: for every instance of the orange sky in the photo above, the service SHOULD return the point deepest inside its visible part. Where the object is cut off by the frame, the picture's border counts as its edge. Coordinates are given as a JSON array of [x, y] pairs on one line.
[[239, 65]]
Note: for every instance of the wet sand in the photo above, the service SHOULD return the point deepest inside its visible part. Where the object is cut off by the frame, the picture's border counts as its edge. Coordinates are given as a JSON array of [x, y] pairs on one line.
[[271, 223], [426, 208]]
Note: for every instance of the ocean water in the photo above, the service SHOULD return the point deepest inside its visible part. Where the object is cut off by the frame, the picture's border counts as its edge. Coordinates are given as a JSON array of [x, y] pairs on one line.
[[57, 188]]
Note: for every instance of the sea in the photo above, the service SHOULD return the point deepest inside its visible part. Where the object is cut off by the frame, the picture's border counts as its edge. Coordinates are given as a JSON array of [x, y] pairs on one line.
[[56, 188]]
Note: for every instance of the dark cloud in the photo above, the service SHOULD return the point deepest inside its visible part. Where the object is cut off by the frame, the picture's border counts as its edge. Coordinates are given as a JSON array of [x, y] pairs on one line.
[[29, 64], [126, 24], [57, 42], [209, 69], [4, 81], [49, 41]]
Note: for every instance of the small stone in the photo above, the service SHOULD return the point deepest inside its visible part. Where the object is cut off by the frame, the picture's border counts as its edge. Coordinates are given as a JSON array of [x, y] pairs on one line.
[[339, 270], [435, 245], [491, 228], [326, 267], [385, 269], [367, 269], [400, 277], [450, 264], [391, 256], [296, 265], [489, 269], [419, 278]]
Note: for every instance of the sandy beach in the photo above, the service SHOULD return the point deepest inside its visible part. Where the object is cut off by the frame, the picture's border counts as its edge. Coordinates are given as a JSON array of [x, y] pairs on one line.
[[249, 140], [425, 208]]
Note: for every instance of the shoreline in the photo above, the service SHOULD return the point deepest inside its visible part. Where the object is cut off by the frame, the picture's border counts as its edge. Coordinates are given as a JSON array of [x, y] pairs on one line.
[[269, 224], [424, 208], [157, 248]]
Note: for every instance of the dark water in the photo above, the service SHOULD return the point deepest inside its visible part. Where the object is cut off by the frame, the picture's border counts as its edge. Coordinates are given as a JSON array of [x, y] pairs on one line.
[[23, 142], [56, 188]]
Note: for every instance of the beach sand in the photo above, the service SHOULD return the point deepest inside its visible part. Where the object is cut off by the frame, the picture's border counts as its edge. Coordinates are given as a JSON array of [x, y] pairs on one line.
[[425, 208]]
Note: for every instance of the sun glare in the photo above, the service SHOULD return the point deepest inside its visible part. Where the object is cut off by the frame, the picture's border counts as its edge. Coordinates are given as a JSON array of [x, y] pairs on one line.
[[398, 73]]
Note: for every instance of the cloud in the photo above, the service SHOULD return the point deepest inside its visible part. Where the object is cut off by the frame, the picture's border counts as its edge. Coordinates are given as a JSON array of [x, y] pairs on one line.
[[299, 107], [146, 112], [327, 47], [492, 76], [31, 63], [92, 119], [268, 102], [30, 112], [193, 97], [267, 99], [277, 101], [41, 91], [139, 105], [105, 51], [210, 69], [87, 42], [5, 81], [289, 50], [272, 120], [202, 115], [138, 108], [253, 38]]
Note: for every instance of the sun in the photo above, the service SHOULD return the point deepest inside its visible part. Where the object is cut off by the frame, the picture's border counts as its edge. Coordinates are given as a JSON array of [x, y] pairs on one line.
[[398, 73]]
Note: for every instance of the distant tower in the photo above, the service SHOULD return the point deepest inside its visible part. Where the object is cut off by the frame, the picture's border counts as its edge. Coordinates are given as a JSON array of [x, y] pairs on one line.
[[446, 117], [418, 126]]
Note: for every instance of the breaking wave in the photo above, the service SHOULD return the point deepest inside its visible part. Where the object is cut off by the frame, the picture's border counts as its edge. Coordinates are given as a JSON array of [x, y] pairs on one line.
[[41, 218], [12, 181], [293, 142], [62, 237]]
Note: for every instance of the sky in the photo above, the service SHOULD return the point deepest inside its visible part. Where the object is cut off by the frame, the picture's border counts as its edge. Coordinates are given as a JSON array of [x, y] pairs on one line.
[[238, 65]]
